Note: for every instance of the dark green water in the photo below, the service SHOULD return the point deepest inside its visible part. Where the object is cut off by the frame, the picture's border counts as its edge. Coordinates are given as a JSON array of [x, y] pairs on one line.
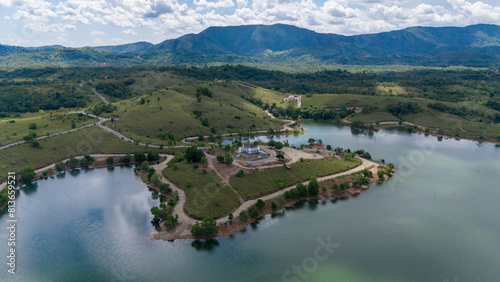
[[436, 220]]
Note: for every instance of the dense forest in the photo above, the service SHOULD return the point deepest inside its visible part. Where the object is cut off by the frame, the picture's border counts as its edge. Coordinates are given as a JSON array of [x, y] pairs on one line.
[[29, 90]]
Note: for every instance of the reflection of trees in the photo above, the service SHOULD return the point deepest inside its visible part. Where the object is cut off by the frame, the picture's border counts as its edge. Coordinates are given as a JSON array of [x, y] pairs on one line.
[[205, 245], [30, 188], [74, 172]]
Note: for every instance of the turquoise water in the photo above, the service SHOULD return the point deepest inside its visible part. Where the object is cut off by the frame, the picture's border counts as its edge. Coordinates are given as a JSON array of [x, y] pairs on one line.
[[436, 220]]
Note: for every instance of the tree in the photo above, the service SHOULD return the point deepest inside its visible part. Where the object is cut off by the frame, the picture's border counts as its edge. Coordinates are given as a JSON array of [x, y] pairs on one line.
[[278, 145], [33, 126], [165, 188], [72, 163], [230, 217], [139, 157], [220, 158], [127, 158], [60, 166], [204, 160], [159, 213], [240, 173], [311, 141], [229, 160], [280, 156], [27, 175], [301, 189], [271, 143], [329, 147], [274, 206], [253, 212], [367, 156], [243, 215], [313, 187], [35, 144], [193, 154], [155, 179], [153, 156], [170, 221], [110, 160], [206, 230], [89, 159], [144, 165], [260, 204], [203, 91], [380, 173]]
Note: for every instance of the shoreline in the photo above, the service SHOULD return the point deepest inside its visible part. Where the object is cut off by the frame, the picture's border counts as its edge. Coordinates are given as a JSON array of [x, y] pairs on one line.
[[419, 129], [183, 230]]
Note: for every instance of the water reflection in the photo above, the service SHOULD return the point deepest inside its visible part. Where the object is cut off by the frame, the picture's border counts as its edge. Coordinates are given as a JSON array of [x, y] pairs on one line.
[[74, 172], [205, 245], [30, 188]]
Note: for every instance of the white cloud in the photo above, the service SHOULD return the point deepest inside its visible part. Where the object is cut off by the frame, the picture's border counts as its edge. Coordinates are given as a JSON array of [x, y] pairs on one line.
[[172, 18], [129, 32], [217, 4], [97, 33]]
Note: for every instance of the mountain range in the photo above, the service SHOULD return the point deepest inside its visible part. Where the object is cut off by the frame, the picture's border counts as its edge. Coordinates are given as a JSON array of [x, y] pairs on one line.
[[475, 46]]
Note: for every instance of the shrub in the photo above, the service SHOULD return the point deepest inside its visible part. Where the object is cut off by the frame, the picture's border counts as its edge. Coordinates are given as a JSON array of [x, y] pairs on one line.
[[110, 160], [253, 212], [139, 157], [72, 163], [243, 215], [240, 173], [60, 166], [165, 188], [260, 204]]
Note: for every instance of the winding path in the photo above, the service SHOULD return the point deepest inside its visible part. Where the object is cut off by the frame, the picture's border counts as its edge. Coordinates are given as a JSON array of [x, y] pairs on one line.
[[100, 96]]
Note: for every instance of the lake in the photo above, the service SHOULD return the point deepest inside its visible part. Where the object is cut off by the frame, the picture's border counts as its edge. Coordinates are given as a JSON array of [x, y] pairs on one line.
[[436, 220]]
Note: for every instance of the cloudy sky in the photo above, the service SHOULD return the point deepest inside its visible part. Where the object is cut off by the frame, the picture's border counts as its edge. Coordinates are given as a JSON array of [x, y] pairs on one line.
[[108, 22]]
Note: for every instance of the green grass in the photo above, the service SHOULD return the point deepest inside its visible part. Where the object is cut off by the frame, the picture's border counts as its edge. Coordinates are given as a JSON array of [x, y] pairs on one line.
[[304, 170], [434, 120], [206, 195], [262, 182], [47, 123], [375, 116], [174, 112], [91, 140], [265, 182]]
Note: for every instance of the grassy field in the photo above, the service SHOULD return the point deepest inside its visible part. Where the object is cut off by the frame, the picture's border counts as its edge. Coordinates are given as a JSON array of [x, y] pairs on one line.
[[304, 170], [14, 129], [470, 127], [266, 95], [173, 110], [263, 182], [206, 195], [266, 181], [85, 141]]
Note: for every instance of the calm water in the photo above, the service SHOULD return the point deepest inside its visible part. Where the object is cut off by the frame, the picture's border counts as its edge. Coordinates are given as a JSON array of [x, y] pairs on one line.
[[436, 220]]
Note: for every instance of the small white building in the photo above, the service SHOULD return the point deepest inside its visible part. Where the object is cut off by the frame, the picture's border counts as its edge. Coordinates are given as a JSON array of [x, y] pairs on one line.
[[250, 149]]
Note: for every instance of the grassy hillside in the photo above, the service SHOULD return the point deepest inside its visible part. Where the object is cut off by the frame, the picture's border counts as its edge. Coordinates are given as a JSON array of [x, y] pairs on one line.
[[91, 140], [178, 110], [14, 129]]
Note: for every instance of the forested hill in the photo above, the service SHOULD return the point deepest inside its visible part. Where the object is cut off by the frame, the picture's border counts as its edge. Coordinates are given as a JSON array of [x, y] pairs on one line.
[[476, 46]]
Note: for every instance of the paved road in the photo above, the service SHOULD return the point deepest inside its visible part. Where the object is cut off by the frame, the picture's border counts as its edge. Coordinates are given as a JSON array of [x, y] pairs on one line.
[[100, 96]]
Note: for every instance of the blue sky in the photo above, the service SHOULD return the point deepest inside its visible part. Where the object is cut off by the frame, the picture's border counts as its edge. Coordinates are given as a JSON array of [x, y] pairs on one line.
[[78, 23]]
